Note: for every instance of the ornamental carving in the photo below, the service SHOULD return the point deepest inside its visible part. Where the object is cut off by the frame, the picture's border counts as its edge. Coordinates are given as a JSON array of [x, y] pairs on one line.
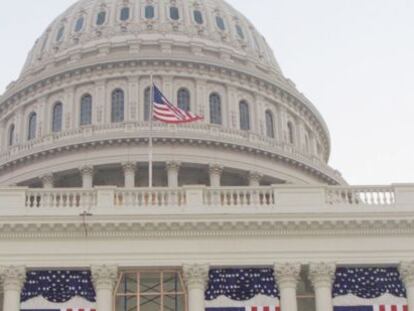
[[13, 277], [196, 275], [322, 274], [287, 274], [406, 269], [216, 169], [104, 276], [129, 166]]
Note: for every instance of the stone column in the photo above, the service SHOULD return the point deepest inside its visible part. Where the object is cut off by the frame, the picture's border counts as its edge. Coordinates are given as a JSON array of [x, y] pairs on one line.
[[87, 176], [129, 174], [407, 275], [13, 278], [322, 276], [172, 171], [196, 276], [47, 181], [287, 277], [254, 179], [215, 172], [104, 278]]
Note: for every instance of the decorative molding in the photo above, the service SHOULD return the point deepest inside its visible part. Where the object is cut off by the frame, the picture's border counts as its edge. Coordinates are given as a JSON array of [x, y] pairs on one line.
[[215, 169], [287, 274], [173, 165], [196, 275], [86, 170], [322, 274], [129, 166]]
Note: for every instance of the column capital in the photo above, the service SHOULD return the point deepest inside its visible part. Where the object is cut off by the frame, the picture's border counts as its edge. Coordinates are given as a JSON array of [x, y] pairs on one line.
[[215, 169], [86, 170], [13, 277], [322, 274], [287, 274], [173, 165], [196, 275], [406, 269], [255, 177], [47, 179], [104, 276], [129, 166]]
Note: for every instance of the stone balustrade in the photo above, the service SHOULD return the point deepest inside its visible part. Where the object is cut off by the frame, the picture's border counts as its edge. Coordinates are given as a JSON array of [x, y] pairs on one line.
[[274, 199]]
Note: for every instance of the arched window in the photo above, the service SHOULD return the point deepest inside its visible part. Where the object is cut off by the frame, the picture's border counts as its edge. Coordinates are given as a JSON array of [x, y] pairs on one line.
[[220, 23], [215, 109], [270, 125], [244, 116], [183, 99], [291, 132], [86, 110], [31, 132], [60, 33], [147, 103], [149, 12], [240, 32], [124, 15], [57, 117], [174, 13], [198, 17], [101, 18], [117, 107], [79, 24], [11, 135]]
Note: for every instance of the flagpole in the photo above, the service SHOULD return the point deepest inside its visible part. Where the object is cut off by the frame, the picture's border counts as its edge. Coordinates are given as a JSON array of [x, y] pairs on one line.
[[150, 151]]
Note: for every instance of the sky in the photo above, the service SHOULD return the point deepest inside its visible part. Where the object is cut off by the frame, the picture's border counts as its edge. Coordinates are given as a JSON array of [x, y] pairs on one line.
[[354, 59]]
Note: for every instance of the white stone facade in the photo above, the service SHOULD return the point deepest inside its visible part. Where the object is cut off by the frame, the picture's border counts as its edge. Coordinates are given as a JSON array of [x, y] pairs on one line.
[[74, 192]]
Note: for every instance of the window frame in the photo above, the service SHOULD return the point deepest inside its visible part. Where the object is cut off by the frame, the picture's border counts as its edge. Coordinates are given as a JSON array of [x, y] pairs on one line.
[[11, 134], [220, 110], [82, 117], [98, 15], [153, 11], [60, 34], [220, 21], [121, 12], [57, 117], [244, 116], [180, 104], [291, 132], [270, 128], [32, 126], [117, 116], [175, 9], [81, 19], [201, 15]]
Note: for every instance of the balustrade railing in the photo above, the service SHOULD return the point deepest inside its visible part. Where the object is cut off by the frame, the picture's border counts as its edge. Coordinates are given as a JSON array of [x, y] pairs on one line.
[[278, 197]]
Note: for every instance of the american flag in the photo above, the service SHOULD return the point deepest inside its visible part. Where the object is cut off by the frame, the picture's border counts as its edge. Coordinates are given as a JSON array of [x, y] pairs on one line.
[[250, 289], [368, 289], [166, 112]]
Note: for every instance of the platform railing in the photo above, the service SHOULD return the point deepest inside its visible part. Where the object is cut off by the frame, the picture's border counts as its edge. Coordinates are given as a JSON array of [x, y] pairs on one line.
[[291, 198]]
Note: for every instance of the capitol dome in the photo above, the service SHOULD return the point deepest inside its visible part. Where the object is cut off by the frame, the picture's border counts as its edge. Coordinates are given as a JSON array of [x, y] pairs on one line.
[[78, 114]]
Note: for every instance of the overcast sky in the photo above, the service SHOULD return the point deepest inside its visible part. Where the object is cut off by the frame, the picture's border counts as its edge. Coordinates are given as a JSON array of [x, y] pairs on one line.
[[353, 58]]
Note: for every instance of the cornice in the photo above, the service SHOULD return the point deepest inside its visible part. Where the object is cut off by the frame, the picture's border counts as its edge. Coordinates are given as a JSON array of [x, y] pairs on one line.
[[199, 226], [275, 89], [79, 143]]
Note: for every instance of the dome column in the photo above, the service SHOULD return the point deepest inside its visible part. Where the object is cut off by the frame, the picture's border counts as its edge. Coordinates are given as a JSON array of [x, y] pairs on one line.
[[13, 278], [104, 278], [196, 277], [215, 172], [407, 275], [287, 277], [47, 181], [129, 174], [87, 176], [322, 275], [172, 172]]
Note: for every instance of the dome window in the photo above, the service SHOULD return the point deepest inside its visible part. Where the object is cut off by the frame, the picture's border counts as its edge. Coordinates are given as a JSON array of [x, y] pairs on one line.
[[60, 33], [101, 18], [124, 15], [117, 107], [86, 110], [11, 135], [57, 117], [198, 17], [270, 125], [291, 133], [174, 13], [240, 32], [244, 116], [215, 109], [79, 24], [149, 12], [31, 131], [220, 23], [183, 99]]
